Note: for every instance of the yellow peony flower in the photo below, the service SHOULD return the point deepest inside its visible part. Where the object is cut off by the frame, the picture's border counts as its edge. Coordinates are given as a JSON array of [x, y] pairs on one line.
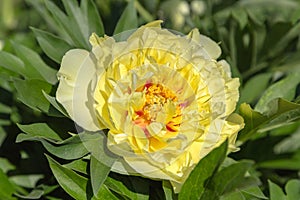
[[165, 99]]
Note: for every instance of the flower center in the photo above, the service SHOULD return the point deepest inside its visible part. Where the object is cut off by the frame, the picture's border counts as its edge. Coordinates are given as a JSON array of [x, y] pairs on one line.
[[156, 98]]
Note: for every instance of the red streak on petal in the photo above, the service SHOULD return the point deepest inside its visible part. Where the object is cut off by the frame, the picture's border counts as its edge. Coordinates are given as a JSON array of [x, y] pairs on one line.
[[148, 84], [170, 128], [139, 113], [146, 132]]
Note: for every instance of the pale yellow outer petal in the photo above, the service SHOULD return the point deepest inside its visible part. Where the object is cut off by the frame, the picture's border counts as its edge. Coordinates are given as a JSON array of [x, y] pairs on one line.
[[74, 90], [210, 46]]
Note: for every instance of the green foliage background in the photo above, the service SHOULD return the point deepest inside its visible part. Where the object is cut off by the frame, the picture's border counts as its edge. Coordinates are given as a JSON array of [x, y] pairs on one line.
[[40, 159]]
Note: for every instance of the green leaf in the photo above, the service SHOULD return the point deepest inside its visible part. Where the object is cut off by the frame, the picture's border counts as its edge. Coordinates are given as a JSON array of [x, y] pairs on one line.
[[105, 193], [132, 188], [55, 104], [250, 193], [99, 173], [168, 190], [5, 165], [15, 64], [226, 180], [89, 9], [37, 130], [78, 36], [34, 194], [53, 46], [69, 149], [28, 181], [97, 145], [288, 144], [275, 192], [3, 135], [5, 109], [128, 19], [292, 189], [77, 19], [194, 187], [7, 188], [284, 164], [280, 113], [241, 16], [33, 61], [285, 88], [254, 88], [74, 184], [30, 93], [254, 192], [79, 165]]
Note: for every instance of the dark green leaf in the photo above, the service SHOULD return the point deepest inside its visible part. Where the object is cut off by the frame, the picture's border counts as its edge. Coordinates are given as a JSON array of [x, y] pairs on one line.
[[74, 184], [133, 189], [128, 20], [226, 180], [194, 187], [53, 46]]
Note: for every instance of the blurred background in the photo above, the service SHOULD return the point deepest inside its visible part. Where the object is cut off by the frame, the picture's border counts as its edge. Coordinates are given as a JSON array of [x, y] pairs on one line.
[[259, 38]]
